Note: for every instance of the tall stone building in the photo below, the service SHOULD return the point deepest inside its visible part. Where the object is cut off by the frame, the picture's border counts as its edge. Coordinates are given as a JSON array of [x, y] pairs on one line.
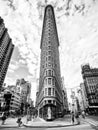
[[49, 100], [6, 49], [90, 77], [65, 99], [24, 88]]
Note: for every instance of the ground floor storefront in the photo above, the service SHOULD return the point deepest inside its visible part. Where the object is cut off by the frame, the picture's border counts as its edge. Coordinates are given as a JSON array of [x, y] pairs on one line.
[[50, 112]]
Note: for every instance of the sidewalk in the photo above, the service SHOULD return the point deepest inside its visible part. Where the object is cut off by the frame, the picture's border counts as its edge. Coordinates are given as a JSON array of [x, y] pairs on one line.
[[40, 123], [11, 122], [36, 123]]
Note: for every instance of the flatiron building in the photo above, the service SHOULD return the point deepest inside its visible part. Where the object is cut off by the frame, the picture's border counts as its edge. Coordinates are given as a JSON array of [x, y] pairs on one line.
[[49, 100]]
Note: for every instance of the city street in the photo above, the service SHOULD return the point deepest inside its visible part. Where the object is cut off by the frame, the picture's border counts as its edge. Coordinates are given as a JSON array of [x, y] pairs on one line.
[[90, 123]]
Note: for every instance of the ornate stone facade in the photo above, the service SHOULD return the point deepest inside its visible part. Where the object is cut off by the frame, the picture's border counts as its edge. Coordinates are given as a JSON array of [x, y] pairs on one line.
[[49, 94]]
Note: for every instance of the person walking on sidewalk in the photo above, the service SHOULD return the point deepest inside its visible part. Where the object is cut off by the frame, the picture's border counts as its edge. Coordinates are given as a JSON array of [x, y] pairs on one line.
[[83, 114], [77, 118], [3, 118], [19, 121], [72, 117]]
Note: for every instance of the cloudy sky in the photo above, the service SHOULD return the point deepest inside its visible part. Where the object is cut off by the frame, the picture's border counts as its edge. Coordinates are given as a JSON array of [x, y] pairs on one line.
[[77, 25]]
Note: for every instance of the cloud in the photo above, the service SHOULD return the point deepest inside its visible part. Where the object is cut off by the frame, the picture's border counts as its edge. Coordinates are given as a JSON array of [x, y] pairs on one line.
[[21, 61], [9, 81], [13, 66]]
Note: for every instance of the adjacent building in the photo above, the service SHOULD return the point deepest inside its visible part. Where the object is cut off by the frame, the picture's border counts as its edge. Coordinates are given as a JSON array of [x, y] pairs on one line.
[[2, 101], [24, 88], [73, 105], [90, 77], [6, 49], [16, 98], [82, 97], [11, 100], [65, 99], [49, 101]]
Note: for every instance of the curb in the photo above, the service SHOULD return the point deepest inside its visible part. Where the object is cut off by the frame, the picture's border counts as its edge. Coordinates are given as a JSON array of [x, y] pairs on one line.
[[55, 126]]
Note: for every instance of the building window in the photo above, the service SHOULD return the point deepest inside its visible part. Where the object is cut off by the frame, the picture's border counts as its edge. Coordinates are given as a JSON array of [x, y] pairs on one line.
[[46, 58], [49, 80], [49, 91], [49, 58], [52, 73], [45, 81], [53, 92], [49, 52], [49, 64], [46, 73], [53, 81], [43, 66], [49, 47], [49, 72], [49, 101], [45, 91]]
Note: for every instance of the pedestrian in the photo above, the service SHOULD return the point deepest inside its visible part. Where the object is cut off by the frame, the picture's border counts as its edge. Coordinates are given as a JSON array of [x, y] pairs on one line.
[[72, 117], [19, 121], [83, 114], [77, 118], [3, 118]]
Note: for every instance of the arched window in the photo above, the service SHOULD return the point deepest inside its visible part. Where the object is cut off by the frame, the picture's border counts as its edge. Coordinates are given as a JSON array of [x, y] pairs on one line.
[[49, 91], [49, 72], [45, 91], [49, 80], [53, 81], [45, 81]]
